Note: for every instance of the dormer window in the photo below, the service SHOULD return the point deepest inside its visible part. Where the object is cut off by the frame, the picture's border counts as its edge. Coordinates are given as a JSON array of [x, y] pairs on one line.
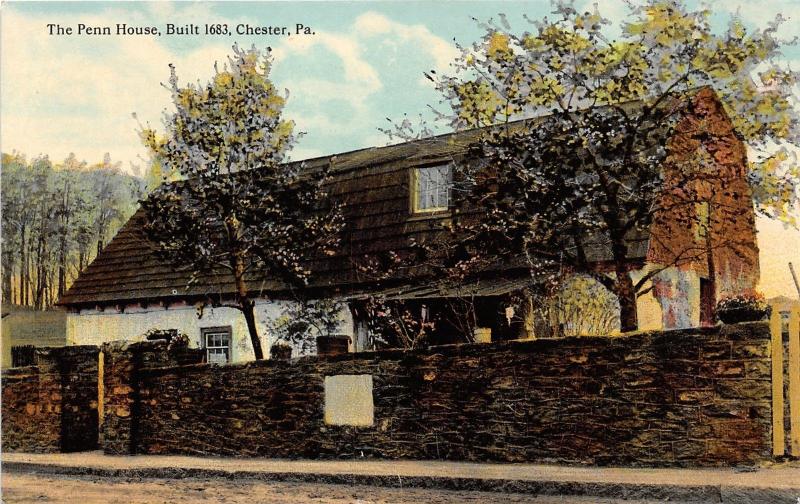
[[432, 187]]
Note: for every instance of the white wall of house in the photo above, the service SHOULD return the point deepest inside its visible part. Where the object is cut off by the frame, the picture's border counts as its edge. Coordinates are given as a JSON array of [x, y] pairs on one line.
[[94, 327], [673, 303]]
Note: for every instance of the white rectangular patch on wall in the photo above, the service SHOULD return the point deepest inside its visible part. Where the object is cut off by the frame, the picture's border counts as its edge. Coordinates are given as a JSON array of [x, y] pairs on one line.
[[348, 400]]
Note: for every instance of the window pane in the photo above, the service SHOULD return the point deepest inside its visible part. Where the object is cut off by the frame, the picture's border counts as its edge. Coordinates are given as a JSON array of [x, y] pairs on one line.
[[217, 347], [217, 357], [433, 187]]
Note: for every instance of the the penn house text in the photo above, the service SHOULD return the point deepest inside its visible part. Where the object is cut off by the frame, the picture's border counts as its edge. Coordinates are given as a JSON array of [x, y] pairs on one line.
[[171, 29]]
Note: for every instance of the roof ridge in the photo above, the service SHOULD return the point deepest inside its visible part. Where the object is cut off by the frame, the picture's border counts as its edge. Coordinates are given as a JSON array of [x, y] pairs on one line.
[[467, 131]]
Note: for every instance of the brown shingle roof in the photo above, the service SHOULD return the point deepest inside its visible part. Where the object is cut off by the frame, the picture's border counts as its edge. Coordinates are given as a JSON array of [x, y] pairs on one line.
[[373, 187]]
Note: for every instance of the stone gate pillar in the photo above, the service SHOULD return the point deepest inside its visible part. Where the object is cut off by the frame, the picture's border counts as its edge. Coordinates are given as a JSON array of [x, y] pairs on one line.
[[122, 362]]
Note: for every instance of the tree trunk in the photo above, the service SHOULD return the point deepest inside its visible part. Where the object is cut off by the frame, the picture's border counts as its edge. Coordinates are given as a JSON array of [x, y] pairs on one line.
[[53, 289], [623, 287], [628, 319], [23, 270], [8, 272], [39, 294], [247, 306], [62, 252], [46, 298], [250, 318], [62, 268]]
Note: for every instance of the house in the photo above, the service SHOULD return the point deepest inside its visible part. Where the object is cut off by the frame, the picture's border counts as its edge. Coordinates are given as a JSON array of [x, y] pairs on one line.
[[395, 198]]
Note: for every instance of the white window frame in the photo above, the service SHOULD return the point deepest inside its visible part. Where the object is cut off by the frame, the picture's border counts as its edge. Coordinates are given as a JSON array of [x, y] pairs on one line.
[[225, 331], [429, 195]]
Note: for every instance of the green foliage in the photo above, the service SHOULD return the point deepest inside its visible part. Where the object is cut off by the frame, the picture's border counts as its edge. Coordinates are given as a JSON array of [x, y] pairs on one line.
[[583, 306], [568, 63], [55, 219], [231, 123], [585, 170], [301, 322], [237, 209]]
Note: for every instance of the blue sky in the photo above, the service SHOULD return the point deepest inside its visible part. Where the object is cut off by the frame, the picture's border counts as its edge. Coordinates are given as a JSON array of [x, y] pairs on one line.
[[365, 63]]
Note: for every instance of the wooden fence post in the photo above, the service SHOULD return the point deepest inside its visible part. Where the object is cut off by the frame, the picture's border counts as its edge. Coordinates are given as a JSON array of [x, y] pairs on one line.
[[794, 380], [778, 435], [100, 389]]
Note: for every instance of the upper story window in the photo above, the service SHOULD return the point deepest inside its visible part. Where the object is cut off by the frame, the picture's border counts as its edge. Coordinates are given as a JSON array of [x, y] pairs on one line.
[[217, 342], [432, 187]]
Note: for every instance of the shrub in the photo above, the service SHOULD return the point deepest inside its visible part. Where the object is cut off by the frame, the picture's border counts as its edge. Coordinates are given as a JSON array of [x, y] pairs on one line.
[[742, 308]]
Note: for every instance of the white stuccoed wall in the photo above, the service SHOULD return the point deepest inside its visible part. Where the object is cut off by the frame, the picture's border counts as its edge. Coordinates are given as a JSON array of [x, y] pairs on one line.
[[678, 305], [678, 309], [93, 327]]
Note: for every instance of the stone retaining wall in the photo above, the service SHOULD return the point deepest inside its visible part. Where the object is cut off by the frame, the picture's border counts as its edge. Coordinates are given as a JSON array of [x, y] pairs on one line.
[[52, 406], [678, 398], [694, 397]]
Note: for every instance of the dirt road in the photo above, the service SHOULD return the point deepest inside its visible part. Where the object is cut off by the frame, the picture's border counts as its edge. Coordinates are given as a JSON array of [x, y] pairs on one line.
[[18, 488]]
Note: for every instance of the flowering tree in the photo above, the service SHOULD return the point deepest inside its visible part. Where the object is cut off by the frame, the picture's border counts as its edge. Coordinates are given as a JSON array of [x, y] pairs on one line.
[[590, 167], [303, 320], [237, 208]]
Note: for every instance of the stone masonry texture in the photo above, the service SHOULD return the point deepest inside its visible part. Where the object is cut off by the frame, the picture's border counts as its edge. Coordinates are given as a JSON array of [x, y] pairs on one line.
[[52, 406], [699, 397], [122, 362], [677, 398]]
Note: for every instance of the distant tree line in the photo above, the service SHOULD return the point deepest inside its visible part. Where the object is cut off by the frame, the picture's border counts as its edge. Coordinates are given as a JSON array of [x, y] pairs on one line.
[[56, 218]]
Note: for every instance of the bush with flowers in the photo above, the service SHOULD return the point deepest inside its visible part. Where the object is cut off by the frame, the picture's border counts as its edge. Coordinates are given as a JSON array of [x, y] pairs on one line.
[[744, 307]]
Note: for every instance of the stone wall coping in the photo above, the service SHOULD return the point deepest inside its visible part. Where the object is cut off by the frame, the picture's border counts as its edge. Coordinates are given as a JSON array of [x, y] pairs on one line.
[[53, 352], [125, 345], [758, 330], [69, 350]]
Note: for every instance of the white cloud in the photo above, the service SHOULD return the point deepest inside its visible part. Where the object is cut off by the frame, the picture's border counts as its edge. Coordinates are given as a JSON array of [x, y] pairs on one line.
[[395, 37], [77, 94], [301, 153], [616, 11], [58, 97], [185, 11], [361, 78], [755, 14], [759, 14], [373, 24]]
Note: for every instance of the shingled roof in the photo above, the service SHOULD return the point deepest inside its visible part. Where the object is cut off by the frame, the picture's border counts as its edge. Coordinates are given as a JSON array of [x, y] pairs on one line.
[[372, 185]]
